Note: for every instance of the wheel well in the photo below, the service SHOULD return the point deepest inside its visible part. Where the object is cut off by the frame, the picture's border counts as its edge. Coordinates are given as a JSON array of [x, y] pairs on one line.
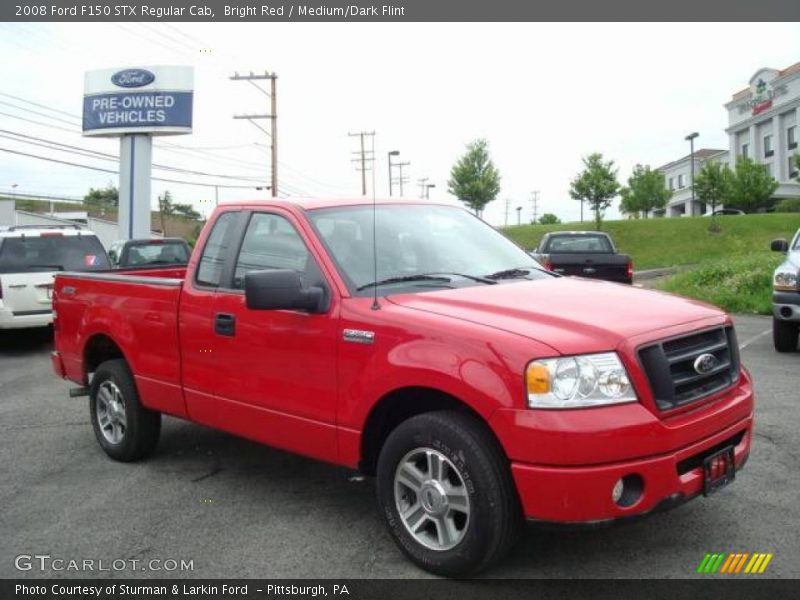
[[99, 349], [396, 407]]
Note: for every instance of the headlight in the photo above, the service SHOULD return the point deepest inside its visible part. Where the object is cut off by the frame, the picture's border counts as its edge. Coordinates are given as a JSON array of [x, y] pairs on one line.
[[578, 381], [785, 281]]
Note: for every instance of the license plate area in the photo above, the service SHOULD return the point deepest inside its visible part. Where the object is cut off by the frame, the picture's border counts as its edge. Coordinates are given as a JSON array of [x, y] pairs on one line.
[[719, 469]]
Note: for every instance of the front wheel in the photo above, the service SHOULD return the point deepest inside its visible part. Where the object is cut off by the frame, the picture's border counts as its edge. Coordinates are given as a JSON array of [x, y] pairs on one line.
[[446, 494], [125, 430], [784, 335]]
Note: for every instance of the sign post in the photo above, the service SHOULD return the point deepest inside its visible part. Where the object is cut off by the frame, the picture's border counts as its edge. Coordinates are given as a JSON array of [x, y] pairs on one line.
[[135, 104]]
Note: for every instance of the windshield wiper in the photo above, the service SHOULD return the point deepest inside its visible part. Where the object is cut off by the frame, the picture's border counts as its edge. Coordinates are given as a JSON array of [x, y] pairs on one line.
[[514, 273], [465, 276], [404, 279]]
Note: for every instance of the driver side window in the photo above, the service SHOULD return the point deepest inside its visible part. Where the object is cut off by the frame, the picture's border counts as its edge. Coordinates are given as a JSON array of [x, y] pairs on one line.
[[270, 242]]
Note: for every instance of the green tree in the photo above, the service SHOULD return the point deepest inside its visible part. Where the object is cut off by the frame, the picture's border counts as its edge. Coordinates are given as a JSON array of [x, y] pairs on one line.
[[549, 219], [751, 187], [474, 179], [597, 184], [646, 191], [102, 198], [186, 210], [712, 185], [165, 208]]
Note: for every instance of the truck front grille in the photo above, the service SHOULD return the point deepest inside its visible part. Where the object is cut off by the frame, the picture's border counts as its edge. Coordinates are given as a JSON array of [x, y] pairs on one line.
[[676, 380]]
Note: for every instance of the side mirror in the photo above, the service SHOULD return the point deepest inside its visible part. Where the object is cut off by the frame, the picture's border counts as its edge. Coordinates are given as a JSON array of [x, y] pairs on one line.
[[779, 245], [280, 289]]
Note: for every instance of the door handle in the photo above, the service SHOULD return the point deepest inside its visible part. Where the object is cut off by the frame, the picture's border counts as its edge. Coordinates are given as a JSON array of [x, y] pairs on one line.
[[224, 324]]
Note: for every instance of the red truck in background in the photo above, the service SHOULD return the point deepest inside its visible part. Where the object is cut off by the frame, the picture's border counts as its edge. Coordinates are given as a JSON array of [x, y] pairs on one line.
[[413, 342]]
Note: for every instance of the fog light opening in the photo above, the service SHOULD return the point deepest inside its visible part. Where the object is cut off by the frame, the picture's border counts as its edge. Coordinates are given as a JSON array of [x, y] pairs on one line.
[[786, 312], [627, 491]]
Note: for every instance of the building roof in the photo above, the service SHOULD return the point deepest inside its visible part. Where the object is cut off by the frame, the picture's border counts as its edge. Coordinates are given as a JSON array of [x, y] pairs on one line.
[[701, 154], [795, 68]]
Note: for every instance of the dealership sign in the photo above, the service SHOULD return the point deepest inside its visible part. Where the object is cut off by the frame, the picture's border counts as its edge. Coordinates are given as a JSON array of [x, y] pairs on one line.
[[155, 100]]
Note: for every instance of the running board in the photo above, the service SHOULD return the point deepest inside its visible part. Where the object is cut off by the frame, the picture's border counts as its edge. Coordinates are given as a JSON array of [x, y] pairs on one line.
[[78, 392]]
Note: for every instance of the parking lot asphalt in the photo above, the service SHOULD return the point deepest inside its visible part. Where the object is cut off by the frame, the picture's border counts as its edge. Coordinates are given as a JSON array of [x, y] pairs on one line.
[[237, 509]]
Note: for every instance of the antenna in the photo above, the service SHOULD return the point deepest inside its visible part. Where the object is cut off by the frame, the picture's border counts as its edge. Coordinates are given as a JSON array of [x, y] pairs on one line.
[[375, 305]]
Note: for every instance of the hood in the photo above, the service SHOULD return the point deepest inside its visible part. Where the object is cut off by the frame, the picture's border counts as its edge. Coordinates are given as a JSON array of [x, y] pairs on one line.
[[568, 314]]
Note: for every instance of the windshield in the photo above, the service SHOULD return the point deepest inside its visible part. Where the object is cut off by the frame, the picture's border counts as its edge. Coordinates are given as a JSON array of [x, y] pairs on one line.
[[418, 247], [578, 243], [157, 253], [54, 252]]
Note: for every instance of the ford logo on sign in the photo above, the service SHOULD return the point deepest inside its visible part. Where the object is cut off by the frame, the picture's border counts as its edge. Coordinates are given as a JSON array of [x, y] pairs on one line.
[[132, 78]]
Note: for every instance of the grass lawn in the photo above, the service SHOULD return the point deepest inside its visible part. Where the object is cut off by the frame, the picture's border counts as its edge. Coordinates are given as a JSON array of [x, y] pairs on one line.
[[740, 284], [679, 241]]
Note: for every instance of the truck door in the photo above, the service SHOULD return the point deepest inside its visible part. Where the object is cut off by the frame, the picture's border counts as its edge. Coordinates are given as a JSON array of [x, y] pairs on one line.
[[275, 369]]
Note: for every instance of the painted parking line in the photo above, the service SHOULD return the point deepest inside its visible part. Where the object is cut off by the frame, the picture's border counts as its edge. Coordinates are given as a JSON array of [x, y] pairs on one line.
[[746, 343]]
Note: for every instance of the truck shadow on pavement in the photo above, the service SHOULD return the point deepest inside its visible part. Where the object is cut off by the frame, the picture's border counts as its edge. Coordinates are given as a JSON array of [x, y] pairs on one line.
[[22, 342]]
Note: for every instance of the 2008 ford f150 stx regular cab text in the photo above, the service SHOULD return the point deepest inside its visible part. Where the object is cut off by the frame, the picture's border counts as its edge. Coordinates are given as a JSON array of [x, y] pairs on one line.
[[477, 387]]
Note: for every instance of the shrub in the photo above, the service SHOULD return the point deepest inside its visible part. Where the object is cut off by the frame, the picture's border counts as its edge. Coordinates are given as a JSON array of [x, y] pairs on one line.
[[790, 205]]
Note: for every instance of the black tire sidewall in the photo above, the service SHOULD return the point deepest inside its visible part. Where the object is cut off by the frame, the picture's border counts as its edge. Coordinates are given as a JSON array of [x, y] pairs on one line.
[[139, 421], [785, 335], [470, 455]]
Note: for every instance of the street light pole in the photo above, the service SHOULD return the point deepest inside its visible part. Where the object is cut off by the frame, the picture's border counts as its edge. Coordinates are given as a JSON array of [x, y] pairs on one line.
[[690, 138], [428, 190], [390, 155], [519, 215]]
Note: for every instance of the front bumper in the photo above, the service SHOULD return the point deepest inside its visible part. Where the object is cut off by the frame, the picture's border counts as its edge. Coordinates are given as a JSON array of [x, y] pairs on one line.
[[786, 306], [582, 494]]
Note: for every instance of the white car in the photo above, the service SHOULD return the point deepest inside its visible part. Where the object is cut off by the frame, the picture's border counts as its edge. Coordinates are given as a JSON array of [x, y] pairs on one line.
[[30, 256]]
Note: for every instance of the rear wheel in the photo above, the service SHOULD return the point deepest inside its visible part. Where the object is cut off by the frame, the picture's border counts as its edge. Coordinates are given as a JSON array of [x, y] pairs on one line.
[[125, 430], [446, 494], [784, 335]]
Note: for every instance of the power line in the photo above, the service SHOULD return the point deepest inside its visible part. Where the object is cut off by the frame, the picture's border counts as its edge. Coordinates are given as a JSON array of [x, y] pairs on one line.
[[93, 168], [58, 146]]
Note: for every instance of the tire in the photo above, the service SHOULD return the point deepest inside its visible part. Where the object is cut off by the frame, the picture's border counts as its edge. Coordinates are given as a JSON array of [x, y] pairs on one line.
[[784, 335], [481, 516], [125, 430]]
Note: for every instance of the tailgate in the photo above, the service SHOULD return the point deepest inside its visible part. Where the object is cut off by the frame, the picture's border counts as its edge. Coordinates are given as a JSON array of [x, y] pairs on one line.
[[610, 267], [27, 293]]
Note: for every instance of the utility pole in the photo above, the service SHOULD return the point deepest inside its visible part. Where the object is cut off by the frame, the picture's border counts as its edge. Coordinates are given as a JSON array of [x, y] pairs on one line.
[[690, 138], [422, 182], [519, 215], [400, 179], [391, 175], [535, 204], [508, 206], [272, 116], [364, 158]]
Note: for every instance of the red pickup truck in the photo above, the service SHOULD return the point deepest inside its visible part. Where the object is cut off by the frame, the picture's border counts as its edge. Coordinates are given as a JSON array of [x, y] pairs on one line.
[[413, 342]]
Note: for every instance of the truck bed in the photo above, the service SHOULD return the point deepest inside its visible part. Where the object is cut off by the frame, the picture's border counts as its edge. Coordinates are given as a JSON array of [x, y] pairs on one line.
[[141, 307]]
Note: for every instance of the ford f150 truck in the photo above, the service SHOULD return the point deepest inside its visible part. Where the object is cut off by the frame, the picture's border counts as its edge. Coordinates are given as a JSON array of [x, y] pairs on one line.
[[413, 342]]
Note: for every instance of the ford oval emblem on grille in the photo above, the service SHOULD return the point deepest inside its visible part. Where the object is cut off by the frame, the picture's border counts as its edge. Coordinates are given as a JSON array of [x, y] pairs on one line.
[[133, 78], [705, 363]]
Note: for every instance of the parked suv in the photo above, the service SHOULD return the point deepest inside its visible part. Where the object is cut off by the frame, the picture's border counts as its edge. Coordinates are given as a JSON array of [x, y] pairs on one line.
[[786, 295], [30, 256]]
